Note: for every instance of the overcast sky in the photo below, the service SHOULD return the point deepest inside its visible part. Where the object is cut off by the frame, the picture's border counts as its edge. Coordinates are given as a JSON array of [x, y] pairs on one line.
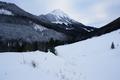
[[89, 12]]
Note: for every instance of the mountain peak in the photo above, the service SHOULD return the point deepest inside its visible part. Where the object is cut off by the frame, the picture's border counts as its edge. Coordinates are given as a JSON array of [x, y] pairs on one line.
[[57, 16], [58, 13]]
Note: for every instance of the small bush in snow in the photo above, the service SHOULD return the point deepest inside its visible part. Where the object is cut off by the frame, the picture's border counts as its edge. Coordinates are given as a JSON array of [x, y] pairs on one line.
[[34, 65]]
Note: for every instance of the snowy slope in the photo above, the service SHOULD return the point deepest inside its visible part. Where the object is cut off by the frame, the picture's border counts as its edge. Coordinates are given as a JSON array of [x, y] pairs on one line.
[[94, 58], [17, 66], [29, 32], [87, 60], [5, 12]]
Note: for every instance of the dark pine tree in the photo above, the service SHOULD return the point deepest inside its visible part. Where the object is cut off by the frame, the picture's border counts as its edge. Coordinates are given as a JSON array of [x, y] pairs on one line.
[[51, 46], [112, 45]]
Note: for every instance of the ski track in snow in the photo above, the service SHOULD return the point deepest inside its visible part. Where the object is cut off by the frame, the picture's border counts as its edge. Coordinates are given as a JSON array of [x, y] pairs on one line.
[[91, 59]]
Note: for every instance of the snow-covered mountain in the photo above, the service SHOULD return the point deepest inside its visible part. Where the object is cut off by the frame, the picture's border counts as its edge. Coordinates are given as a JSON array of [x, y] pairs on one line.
[[57, 16], [92, 59], [23, 31], [61, 19]]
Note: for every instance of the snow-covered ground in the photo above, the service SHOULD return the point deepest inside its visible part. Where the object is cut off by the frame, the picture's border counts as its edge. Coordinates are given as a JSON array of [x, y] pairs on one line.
[[92, 59]]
